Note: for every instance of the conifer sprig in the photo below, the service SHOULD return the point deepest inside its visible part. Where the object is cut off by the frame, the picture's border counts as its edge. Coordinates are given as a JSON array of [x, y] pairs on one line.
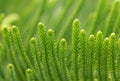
[[11, 72], [90, 57], [62, 59], [29, 75], [75, 50]]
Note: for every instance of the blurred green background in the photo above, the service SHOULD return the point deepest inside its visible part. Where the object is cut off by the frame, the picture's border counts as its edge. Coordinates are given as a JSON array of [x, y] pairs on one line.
[[55, 14]]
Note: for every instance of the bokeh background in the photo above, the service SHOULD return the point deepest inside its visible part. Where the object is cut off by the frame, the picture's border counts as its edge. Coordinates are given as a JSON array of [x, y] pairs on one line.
[[55, 14]]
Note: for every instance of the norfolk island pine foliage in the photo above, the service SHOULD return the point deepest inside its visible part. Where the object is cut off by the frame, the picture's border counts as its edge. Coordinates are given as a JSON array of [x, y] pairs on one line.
[[86, 55]]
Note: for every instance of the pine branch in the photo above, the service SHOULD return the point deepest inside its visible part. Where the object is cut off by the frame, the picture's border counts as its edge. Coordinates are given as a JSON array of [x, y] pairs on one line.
[[75, 49]]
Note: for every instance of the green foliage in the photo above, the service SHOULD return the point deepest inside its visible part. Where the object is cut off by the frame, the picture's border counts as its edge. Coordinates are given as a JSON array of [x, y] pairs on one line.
[[92, 57], [11, 72], [29, 75], [85, 50]]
